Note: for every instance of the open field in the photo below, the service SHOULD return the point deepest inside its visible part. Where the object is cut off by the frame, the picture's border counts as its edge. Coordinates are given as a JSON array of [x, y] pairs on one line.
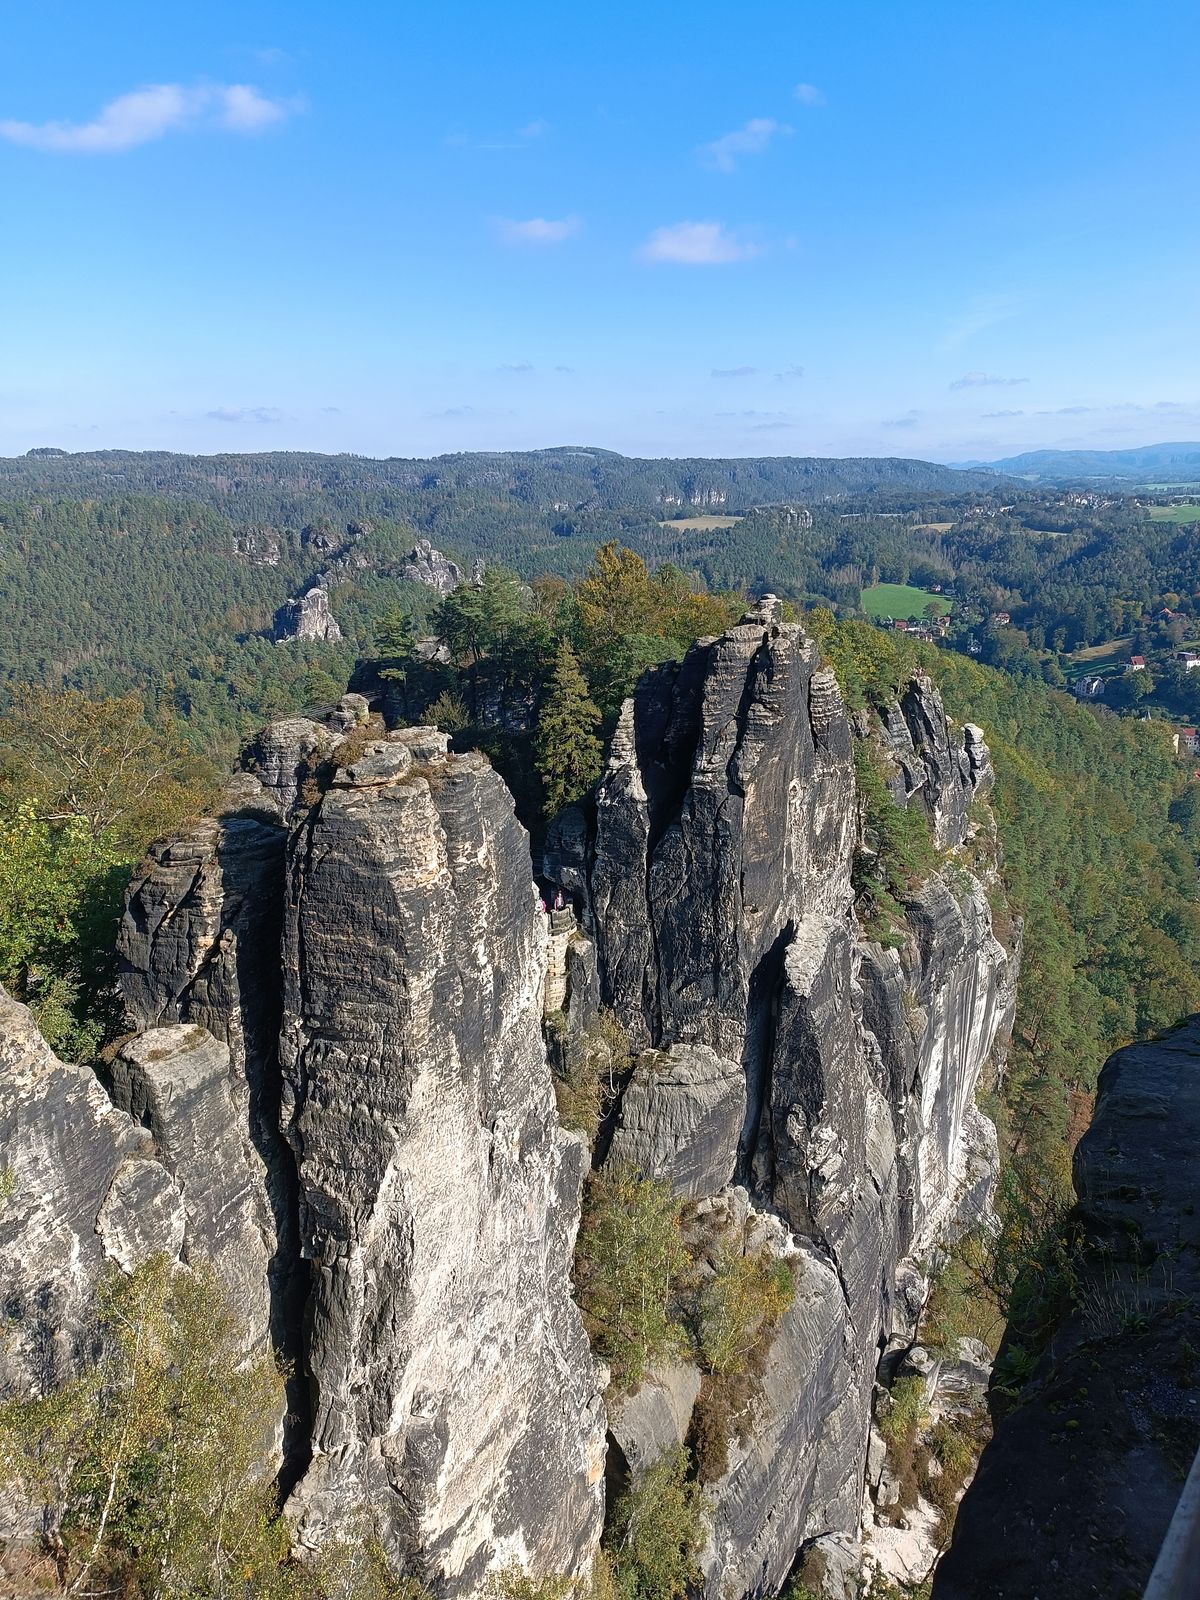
[[901, 600], [700, 524], [1175, 513], [1098, 660], [932, 527]]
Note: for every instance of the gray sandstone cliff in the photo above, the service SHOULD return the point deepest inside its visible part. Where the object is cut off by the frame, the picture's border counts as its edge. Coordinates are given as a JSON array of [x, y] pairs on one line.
[[714, 880], [1074, 1493], [453, 1386], [338, 1089]]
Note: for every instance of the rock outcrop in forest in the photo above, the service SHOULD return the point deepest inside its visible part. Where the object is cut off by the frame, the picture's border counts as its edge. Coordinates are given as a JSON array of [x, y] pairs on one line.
[[340, 1089]]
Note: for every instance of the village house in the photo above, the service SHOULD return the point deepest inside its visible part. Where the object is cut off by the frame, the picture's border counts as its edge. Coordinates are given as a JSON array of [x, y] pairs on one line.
[[1091, 688], [1185, 740], [1001, 618], [1136, 664], [1189, 660]]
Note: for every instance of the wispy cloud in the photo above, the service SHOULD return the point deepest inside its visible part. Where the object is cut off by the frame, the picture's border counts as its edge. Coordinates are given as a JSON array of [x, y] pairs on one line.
[[749, 140], [516, 366], [733, 372], [1071, 411], [991, 416], [537, 230], [789, 375], [538, 129], [908, 420], [985, 380], [808, 94], [696, 244], [980, 313], [152, 112], [245, 414]]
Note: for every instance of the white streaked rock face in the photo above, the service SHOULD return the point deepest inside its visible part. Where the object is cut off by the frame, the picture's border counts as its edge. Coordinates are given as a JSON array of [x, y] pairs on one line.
[[454, 1388]]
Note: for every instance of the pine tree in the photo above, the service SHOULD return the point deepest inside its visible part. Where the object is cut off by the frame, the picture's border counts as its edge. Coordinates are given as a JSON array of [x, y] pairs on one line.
[[396, 642], [568, 747]]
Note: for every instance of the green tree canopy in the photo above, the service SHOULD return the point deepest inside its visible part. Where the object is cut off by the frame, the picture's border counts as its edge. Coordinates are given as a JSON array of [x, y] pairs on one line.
[[569, 750]]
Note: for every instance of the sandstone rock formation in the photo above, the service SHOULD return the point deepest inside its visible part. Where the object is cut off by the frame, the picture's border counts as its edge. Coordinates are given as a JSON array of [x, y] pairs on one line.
[[308, 616], [426, 565], [454, 1389], [339, 1088], [715, 882], [1074, 1494]]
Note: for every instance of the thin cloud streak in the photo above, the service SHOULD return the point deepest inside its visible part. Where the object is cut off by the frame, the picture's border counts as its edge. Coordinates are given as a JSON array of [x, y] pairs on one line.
[[245, 414], [537, 230], [985, 380], [150, 113]]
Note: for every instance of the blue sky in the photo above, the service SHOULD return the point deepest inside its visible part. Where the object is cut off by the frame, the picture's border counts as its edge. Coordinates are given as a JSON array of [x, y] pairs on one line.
[[931, 229]]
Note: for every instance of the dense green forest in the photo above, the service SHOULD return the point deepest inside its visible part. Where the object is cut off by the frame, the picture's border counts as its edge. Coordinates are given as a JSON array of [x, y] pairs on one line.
[[161, 574]]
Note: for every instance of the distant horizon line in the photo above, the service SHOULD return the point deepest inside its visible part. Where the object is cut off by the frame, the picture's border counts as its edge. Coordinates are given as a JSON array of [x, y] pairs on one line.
[[53, 452]]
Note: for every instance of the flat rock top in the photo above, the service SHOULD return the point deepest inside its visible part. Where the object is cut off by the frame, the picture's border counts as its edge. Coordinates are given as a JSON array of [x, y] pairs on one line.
[[1074, 1494]]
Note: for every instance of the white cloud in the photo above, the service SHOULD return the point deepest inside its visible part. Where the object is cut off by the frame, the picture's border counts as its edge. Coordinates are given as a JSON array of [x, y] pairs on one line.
[[733, 372], [696, 244], [244, 109], [537, 230], [245, 414], [754, 137], [789, 374], [147, 114], [985, 380], [808, 94]]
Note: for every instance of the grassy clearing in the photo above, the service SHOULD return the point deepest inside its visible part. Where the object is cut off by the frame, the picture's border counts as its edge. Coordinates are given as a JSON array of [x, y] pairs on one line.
[[901, 600], [700, 524], [1100, 652], [1175, 513]]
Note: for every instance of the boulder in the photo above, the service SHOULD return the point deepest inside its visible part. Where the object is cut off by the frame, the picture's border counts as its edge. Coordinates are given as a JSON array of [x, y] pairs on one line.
[[680, 1119]]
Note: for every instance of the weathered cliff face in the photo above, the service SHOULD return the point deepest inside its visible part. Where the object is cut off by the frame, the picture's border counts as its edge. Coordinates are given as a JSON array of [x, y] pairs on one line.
[[92, 1180], [715, 883], [453, 1386], [1074, 1494], [340, 1091]]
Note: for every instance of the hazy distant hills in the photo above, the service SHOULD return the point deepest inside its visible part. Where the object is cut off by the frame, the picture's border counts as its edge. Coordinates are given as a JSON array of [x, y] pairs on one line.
[[1168, 464], [283, 486]]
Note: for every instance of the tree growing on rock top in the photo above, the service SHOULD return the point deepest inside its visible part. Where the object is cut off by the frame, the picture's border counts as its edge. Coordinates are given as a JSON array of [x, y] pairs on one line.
[[568, 746]]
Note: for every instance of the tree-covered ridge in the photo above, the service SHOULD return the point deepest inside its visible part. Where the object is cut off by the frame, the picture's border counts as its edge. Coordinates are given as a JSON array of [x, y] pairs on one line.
[[285, 485]]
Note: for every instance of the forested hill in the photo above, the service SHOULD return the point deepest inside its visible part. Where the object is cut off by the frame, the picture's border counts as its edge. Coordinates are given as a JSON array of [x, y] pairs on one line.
[[284, 486], [1150, 464]]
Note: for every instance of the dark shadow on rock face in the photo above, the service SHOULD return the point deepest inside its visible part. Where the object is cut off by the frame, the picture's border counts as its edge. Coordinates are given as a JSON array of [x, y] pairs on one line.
[[257, 909]]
